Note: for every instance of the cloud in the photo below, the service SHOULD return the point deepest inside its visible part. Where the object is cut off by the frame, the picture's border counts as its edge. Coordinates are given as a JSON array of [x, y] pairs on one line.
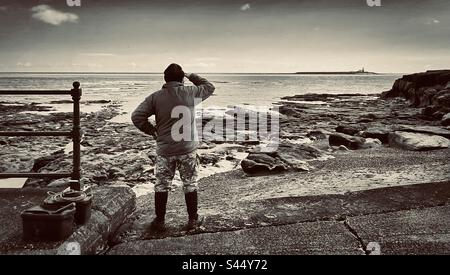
[[433, 21], [3, 8], [49, 15], [26, 64], [245, 7]]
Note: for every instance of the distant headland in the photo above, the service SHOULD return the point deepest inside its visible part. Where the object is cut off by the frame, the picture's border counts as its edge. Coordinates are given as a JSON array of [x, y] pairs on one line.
[[358, 72]]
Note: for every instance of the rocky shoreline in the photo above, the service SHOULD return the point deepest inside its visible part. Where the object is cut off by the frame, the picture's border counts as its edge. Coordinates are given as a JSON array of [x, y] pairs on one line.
[[112, 153], [312, 127]]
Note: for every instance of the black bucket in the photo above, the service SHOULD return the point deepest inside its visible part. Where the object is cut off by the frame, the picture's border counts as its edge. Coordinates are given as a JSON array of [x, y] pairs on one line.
[[83, 204]]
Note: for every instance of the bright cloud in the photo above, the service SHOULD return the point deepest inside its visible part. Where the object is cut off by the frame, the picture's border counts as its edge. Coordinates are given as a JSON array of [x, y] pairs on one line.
[[24, 64], [3, 8], [245, 7], [433, 21], [49, 15]]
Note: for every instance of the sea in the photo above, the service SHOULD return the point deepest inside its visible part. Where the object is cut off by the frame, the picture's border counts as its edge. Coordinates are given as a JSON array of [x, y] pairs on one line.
[[260, 90]]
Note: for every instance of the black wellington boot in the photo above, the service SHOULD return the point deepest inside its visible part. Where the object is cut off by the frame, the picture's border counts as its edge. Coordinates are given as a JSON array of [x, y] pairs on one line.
[[160, 211], [195, 220]]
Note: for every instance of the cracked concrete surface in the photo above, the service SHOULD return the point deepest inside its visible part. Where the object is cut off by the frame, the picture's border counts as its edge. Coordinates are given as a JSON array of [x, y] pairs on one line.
[[327, 224]]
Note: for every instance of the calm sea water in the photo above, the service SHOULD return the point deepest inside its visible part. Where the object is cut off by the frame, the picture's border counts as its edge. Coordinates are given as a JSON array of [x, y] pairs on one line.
[[231, 89]]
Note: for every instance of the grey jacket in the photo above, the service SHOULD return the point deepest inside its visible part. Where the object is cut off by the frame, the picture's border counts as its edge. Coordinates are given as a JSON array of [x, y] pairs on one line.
[[161, 104]]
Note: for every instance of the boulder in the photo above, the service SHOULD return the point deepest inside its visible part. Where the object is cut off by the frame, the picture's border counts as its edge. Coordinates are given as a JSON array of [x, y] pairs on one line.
[[379, 132], [371, 143], [288, 157], [44, 161], [261, 163], [417, 141], [296, 155], [426, 97], [292, 111], [349, 129], [442, 99], [317, 134], [432, 130], [430, 110], [446, 120], [351, 142]]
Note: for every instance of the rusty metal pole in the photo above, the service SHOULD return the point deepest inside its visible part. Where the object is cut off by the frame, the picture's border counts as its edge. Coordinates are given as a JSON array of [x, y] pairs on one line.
[[75, 183]]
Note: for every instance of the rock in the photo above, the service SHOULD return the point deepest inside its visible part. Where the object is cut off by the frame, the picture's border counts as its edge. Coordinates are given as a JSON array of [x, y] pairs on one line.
[[230, 158], [59, 183], [44, 161], [296, 155], [210, 158], [446, 120], [417, 141], [438, 115], [317, 134], [426, 97], [371, 143], [432, 130], [111, 206], [290, 111], [349, 129], [115, 172], [380, 133], [289, 156], [343, 148], [430, 110], [100, 175], [260, 163], [351, 142], [443, 99], [423, 90]]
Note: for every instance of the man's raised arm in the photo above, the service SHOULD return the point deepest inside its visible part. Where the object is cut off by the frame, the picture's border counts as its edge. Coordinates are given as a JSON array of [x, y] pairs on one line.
[[204, 88]]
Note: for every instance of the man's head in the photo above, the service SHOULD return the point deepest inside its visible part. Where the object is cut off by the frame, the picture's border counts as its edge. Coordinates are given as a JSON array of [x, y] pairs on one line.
[[174, 73]]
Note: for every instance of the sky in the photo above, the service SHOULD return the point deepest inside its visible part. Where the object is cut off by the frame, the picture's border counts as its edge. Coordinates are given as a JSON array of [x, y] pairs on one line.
[[259, 36]]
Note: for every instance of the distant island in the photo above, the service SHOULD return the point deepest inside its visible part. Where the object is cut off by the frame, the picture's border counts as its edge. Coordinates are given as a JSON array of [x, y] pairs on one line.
[[358, 72]]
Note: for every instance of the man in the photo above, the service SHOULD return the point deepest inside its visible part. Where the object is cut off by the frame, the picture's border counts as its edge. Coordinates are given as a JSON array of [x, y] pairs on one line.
[[172, 152]]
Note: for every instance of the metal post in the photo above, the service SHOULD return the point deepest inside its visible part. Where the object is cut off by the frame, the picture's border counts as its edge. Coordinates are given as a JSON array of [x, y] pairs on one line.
[[75, 183]]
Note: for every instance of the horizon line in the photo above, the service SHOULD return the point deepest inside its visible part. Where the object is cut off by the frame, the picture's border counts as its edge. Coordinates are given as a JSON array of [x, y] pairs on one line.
[[161, 73]]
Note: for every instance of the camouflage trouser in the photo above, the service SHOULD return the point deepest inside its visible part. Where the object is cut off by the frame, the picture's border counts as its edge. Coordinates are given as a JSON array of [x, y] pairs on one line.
[[165, 169]]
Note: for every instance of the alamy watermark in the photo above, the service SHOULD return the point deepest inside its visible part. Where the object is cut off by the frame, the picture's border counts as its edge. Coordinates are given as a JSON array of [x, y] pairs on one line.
[[73, 3], [373, 248], [373, 3]]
